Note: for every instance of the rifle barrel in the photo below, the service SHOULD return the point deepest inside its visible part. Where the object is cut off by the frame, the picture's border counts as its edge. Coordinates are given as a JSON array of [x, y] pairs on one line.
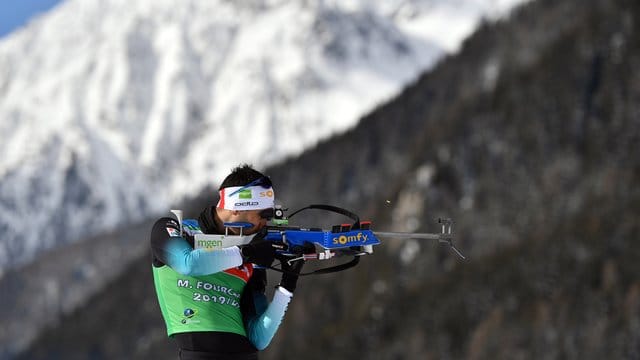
[[404, 235], [442, 238]]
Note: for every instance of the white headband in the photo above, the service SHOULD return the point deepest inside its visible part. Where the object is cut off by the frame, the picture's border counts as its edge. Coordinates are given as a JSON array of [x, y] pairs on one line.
[[246, 198]]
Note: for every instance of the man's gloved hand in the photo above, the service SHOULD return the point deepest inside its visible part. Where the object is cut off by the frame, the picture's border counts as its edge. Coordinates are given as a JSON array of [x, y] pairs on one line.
[[290, 272], [259, 251]]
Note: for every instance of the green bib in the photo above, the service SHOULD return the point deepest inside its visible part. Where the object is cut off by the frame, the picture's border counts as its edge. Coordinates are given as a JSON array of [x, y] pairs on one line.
[[201, 303]]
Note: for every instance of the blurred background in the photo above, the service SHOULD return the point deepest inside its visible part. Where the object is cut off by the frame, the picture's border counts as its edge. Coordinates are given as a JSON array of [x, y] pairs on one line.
[[518, 119]]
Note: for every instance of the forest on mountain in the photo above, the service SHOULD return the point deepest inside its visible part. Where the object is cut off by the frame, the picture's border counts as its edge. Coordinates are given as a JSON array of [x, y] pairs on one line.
[[527, 139]]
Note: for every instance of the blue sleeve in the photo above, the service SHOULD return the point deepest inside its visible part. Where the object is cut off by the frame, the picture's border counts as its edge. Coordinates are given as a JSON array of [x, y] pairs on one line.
[[182, 258], [177, 253], [263, 326]]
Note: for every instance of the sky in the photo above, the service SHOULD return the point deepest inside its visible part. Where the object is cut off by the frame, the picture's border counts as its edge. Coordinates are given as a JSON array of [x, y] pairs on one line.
[[16, 13]]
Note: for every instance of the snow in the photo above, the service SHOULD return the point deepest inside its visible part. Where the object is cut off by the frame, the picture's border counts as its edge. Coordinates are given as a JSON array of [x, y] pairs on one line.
[[113, 110]]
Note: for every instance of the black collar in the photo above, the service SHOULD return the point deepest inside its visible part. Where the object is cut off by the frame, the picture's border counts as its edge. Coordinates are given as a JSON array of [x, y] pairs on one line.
[[207, 221]]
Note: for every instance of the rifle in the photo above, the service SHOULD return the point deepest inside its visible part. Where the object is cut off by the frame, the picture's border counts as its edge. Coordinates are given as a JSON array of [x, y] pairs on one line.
[[295, 243]]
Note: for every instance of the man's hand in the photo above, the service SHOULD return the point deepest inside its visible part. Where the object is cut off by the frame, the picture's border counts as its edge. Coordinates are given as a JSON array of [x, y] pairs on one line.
[[290, 272], [260, 252]]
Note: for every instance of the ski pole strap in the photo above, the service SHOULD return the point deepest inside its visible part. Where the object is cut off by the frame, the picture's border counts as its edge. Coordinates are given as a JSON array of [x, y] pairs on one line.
[[335, 209]]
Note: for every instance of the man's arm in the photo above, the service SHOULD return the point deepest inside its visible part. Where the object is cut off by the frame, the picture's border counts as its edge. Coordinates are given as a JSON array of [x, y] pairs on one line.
[[168, 247], [262, 327], [263, 322]]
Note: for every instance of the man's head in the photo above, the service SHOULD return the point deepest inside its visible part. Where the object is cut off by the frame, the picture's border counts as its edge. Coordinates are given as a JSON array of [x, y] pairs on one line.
[[246, 195]]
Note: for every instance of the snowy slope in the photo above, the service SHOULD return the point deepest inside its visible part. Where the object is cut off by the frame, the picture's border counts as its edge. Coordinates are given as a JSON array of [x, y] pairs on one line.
[[112, 110]]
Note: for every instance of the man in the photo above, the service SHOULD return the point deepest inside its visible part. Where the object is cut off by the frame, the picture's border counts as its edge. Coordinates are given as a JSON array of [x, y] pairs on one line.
[[213, 302]]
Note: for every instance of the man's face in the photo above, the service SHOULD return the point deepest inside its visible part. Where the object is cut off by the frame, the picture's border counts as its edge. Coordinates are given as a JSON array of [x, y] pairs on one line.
[[251, 216]]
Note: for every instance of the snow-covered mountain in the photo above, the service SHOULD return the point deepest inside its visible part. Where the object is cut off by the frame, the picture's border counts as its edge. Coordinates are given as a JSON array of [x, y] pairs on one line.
[[112, 110]]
